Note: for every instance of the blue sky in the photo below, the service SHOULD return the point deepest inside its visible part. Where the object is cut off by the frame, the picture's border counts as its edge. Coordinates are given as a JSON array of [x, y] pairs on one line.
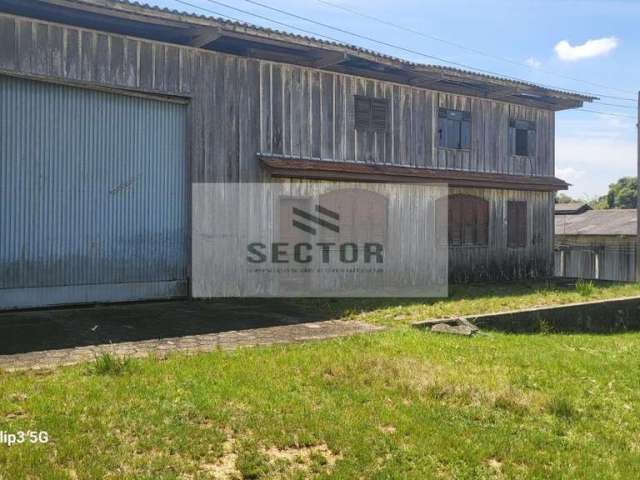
[[592, 40]]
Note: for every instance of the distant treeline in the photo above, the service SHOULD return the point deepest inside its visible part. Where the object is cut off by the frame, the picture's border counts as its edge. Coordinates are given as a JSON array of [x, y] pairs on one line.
[[622, 194]]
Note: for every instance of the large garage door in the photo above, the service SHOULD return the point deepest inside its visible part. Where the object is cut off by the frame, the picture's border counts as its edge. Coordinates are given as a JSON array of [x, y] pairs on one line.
[[93, 196]]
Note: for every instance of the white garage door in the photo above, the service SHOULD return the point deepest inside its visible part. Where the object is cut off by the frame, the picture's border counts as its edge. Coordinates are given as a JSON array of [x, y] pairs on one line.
[[93, 196]]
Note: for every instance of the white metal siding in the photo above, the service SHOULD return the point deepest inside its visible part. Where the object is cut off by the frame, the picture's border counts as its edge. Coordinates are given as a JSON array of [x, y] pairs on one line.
[[93, 195]]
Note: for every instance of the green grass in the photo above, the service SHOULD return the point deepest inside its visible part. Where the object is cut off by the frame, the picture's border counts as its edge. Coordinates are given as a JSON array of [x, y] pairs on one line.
[[110, 364], [398, 404], [470, 300], [585, 288]]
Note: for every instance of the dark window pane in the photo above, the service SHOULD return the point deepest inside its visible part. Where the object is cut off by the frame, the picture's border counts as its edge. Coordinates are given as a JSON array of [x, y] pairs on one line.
[[465, 134], [522, 142], [453, 134]]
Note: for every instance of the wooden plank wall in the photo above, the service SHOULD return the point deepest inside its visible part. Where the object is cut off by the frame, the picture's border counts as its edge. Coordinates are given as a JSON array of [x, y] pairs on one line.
[[497, 260], [241, 106], [414, 263], [309, 114], [223, 91], [616, 257], [238, 107]]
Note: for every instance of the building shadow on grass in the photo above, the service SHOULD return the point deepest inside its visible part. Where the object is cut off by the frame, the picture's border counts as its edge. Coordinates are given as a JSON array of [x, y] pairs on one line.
[[57, 328]]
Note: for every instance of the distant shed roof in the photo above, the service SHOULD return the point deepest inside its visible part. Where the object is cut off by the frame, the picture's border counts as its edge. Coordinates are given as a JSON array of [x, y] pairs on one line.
[[571, 208], [239, 38], [598, 222]]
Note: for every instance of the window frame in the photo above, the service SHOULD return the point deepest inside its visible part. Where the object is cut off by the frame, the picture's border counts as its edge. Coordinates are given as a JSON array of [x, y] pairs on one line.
[[457, 121], [373, 104], [520, 128]]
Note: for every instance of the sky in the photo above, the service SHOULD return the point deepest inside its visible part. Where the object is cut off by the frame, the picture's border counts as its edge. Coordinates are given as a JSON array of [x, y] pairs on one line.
[[594, 42]]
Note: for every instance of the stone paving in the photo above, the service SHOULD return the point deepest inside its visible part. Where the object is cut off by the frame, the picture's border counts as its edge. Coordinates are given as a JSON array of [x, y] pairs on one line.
[[265, 328]]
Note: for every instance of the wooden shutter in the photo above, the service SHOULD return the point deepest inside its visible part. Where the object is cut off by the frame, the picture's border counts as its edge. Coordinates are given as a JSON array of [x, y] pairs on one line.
[[482, 222], [379, 109], [362, 113], [517, 224], [371, 113], [468, 221], [455, 221]]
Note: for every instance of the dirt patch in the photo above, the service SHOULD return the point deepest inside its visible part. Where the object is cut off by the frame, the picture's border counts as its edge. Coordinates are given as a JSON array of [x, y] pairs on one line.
[[308, 461], [226, 466]]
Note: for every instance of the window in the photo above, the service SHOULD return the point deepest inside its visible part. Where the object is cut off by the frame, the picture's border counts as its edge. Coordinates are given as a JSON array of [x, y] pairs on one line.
[[371, 113], [517, 224], [522, 136], [468, 220], [454, 129]]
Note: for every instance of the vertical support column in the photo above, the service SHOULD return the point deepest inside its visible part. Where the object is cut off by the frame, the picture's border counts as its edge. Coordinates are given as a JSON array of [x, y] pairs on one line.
[[638, 202]]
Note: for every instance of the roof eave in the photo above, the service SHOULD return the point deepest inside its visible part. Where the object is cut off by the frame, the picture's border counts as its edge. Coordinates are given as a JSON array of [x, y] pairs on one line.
[[233, 37]]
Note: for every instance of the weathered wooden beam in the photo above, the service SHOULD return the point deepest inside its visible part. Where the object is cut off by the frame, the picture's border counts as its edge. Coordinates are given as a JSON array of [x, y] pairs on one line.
[[328, 59], [500, 93], [258, 39], [363, 72], [201, 37], [425, 80], [325, 170], [275, 56]]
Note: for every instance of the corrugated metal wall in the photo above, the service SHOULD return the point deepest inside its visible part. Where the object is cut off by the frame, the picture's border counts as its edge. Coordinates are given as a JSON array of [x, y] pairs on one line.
[[93, 191], [597, 257]]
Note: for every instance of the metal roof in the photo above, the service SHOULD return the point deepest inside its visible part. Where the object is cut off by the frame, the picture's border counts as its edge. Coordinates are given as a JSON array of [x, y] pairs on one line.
[[571, 208], [353, 47], [124, 16], [598, 222]]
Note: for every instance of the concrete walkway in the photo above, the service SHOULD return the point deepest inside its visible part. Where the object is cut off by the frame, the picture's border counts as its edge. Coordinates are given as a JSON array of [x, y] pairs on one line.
[[52, 338]]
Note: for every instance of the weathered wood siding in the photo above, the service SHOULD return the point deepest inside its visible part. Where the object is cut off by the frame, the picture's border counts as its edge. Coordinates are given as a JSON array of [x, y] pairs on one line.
[[497, 260], [414, 264], [238, 107], [222, 91], [310, 114], [242, 106], [597, 257]]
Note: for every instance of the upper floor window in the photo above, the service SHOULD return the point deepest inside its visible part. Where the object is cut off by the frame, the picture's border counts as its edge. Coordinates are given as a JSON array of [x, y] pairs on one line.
[[516, 224], [454, 129], [371, 113], [522, 135]]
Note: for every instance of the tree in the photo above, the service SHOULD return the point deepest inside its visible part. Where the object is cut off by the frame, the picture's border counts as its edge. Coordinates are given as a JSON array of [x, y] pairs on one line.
[[623, 193], [564, 198]]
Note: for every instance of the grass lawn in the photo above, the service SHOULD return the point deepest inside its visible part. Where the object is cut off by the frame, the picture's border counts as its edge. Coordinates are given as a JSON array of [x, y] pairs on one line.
[[398, 404], [470, 300]]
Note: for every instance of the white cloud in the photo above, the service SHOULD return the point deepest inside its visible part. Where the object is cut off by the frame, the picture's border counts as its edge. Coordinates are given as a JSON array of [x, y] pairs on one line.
[[570, 174], [591, 163], [589, 49], [533, 62]]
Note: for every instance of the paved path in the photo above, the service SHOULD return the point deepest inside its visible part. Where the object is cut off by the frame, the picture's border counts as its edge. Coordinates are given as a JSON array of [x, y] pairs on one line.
[[279, 334]]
